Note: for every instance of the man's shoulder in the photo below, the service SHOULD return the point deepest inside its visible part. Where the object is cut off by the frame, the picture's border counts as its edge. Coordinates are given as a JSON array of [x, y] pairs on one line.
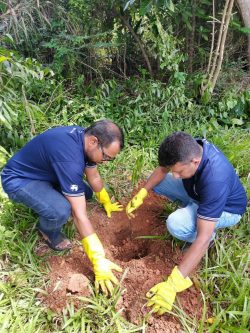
[[215, 159], [215, 167], [62, 135], [73, 129], [63, 143]]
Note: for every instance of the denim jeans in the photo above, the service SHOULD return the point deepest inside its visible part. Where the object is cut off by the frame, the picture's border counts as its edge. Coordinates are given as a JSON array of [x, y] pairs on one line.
[[182, 223], [51, 205]]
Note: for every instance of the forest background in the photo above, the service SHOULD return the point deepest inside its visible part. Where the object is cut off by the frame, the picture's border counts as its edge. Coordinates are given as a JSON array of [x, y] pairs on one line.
[[153, 67]]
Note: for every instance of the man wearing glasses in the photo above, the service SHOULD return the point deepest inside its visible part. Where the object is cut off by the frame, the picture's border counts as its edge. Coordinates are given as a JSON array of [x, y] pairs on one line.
[[47, 176]]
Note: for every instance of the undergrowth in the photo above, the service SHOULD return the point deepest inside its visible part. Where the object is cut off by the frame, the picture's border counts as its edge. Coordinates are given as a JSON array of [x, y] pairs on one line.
[[224, 275]]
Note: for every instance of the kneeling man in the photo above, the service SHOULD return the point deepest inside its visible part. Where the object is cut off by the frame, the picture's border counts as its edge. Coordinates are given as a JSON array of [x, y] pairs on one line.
[[197, 175]]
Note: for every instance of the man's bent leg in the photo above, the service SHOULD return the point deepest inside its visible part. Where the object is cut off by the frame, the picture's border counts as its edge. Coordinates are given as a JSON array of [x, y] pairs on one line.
[[182, 223], [173, 189], [228, 220], [51, 206]]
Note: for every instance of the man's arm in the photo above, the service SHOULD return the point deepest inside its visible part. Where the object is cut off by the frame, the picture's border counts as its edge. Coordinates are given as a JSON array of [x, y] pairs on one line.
[[94, 179], [198, 248], [156, 177], [79, 212], [104, 278], [161, 297]]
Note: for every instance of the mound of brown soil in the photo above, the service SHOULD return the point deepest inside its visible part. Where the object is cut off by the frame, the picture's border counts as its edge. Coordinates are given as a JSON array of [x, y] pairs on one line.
[[146, 261]]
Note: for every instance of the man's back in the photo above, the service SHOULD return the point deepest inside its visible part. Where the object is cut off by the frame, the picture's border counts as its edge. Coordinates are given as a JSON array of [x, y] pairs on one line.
[[40, 158], [215, 185]]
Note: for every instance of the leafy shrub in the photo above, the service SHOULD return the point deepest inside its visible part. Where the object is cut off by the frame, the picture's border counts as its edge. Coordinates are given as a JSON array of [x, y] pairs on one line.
[[18, 112]]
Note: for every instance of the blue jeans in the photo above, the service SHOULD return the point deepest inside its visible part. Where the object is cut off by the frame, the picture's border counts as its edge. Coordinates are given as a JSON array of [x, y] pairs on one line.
[[51, 205], [182, 223]]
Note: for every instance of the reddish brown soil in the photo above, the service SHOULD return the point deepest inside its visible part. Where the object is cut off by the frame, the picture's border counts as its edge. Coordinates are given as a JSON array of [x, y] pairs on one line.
[[147, 262]]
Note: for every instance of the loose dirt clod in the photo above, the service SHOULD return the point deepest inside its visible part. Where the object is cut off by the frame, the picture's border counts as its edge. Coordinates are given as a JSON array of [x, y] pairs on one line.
[[147, 261], [78, 283]]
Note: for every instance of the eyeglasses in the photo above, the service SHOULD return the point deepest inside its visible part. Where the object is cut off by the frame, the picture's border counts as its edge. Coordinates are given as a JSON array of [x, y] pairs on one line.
[[105, 157]]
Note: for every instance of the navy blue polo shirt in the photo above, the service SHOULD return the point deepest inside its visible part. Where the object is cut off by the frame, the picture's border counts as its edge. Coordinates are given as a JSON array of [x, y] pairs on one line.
[[215, 185], [56, 156]]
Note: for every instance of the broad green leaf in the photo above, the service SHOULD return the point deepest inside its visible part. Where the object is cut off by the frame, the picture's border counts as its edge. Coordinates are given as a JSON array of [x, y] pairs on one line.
[[171, 6], [238, 122], [145, 7]]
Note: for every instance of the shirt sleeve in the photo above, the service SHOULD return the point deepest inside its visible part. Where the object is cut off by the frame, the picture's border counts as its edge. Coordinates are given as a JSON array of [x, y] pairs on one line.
[[213, 198], [70, 178]]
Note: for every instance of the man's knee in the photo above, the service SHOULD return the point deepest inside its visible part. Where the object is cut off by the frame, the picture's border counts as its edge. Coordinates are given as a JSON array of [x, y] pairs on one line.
[[174, 223], [65, 212], [182, 224], [60, 213], [55, 218]]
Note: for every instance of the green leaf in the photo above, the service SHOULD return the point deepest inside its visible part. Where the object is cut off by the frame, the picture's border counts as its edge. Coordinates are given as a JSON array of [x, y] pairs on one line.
[[145, 7], [234, 329], [206, 97], [9, 37], [238, 122], [171, 6], [128, 3], [3, 58], [245, 30], [231, 104]]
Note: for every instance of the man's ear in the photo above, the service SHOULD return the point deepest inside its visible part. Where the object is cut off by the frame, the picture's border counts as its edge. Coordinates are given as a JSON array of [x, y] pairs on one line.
[[93, 141], [196, 160]]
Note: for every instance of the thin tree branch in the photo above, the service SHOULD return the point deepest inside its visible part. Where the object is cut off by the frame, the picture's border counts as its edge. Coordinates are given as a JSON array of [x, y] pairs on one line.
[[214, 70], [212, 43], [192, 39], [137, 39], [222, 46], [218, 42]]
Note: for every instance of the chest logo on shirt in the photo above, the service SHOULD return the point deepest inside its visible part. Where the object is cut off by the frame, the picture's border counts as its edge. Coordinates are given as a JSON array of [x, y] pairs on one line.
[[74, 187]]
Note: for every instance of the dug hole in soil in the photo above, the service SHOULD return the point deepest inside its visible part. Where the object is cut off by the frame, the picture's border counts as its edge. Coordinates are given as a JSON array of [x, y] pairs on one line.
[[147, 263]]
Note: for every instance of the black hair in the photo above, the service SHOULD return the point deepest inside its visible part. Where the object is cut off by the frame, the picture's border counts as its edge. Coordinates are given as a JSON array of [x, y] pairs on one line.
[[106, 132], [178, 147]]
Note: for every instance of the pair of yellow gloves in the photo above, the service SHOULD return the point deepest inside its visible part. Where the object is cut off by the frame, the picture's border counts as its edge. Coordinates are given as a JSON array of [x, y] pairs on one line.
[[162, 296]]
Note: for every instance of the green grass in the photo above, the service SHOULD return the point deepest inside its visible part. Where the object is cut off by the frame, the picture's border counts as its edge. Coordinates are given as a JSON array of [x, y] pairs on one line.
[[22, 277], [224, 275], [226, 279]]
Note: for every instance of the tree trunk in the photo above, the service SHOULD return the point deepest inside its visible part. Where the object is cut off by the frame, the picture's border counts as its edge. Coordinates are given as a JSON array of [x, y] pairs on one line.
[[244, 7], [216, 56]]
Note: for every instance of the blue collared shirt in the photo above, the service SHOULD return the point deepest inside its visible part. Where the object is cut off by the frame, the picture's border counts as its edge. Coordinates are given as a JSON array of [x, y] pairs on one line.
[[56, 156], [215, 185]]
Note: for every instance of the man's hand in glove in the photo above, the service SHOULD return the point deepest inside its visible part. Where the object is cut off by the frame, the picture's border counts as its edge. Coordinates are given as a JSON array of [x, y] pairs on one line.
[[162, 296], [104, 278], [136, 202], [104, 199]]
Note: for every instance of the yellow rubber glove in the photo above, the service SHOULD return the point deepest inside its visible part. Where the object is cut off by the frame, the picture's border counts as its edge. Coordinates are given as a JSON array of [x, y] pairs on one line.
[[162, 296], [136, 202], [104, 278], [104, 199]]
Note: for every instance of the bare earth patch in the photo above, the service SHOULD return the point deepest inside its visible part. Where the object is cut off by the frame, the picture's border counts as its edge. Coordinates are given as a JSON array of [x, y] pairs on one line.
[[147, 262]]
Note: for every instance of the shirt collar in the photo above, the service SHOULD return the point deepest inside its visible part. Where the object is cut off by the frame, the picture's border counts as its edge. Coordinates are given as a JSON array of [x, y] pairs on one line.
[[201, 142]]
